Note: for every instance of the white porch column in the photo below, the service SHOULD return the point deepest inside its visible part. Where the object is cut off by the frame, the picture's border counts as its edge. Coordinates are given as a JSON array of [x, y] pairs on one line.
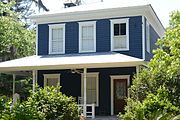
[[14, 78], [137, 70], [34, 80], [85, 78]]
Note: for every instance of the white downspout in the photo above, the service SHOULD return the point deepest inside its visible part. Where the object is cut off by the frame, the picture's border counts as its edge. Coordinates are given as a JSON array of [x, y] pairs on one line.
[[85, 79]]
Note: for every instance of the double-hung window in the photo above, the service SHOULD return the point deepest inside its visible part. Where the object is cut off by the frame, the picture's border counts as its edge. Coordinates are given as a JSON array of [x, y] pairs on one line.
[[92, 88], [119, 34], [87, 36], [51, 80], [57, 39]]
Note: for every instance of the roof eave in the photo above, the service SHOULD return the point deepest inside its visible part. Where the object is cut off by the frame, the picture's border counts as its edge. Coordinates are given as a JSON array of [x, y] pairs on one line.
[[73, 66]]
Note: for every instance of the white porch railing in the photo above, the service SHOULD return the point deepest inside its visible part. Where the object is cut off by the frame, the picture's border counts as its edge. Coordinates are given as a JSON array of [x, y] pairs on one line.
[[89, 111]]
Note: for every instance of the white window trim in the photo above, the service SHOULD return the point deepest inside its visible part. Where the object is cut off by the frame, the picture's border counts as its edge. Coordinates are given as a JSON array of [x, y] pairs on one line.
[[50, 36], [80, 31], [46, 76], [148, 40], [97, 84], [114, 21], [112, 88]]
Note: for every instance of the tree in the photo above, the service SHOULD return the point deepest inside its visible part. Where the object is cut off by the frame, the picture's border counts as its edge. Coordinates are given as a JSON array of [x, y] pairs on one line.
[[163, 72], [15, 41]]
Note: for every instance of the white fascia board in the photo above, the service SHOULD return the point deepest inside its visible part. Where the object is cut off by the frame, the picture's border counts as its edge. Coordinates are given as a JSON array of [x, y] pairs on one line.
[[144, 10], [74, 66]]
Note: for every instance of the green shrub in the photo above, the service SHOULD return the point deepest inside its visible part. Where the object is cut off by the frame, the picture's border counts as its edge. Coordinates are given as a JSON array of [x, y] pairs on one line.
[[152, 107], [53, 104], [45, 104]]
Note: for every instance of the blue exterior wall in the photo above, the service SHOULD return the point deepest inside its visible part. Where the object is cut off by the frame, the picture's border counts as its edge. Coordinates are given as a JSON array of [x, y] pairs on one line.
[[71, 84], [43, 39], [153, 39], [103, 39]]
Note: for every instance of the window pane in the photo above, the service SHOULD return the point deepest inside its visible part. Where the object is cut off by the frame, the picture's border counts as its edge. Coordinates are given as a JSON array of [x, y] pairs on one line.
[[120, 42], [123, 29], [57, 40], [52, 82], [87, 38], [91, 89], [116, 29]]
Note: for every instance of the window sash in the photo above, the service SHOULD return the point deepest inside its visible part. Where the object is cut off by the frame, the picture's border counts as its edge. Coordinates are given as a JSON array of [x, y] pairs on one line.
[[56, 39], [119, 34], [51, 80], [87, 40]]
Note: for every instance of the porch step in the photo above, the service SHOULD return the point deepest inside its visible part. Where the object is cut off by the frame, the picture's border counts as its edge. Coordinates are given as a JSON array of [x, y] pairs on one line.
[[104, 118]]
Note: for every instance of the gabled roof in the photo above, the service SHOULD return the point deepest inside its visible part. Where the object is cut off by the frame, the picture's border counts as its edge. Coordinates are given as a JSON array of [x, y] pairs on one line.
[[71, 61], [122, 8]]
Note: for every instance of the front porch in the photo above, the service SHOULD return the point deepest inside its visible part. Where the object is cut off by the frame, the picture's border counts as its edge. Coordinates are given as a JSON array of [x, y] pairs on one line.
[[90, 76]]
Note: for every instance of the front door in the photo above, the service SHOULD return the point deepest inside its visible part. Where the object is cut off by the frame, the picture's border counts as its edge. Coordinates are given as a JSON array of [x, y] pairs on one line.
[[120, 93]]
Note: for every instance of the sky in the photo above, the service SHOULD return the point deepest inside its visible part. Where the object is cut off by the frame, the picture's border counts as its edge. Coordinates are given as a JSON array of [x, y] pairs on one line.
[[163, 8]]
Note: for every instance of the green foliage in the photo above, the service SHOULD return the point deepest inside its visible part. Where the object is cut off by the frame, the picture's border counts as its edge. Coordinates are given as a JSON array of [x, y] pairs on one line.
[[155, 91], [44, 104], [15, 40], [54, 105], [153, 106]]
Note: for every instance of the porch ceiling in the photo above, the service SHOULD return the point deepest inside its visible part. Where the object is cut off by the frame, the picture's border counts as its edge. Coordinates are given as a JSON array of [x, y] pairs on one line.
[[70, 61]]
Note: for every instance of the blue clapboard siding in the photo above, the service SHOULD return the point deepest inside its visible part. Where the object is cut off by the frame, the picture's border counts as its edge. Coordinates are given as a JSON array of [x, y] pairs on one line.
[[71, 35], [153, 39], [71, 84], [135, 37], [103, 39], [103, 35], [43, 39]]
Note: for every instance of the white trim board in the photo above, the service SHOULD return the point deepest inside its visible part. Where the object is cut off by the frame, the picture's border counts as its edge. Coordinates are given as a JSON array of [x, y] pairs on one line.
[[112, 87], [143, 37]]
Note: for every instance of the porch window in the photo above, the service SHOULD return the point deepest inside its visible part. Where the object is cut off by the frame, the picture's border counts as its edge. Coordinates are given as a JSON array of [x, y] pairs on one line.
[[57, 39], [87, 36], [92, 88], [119, 34], [51, 80]]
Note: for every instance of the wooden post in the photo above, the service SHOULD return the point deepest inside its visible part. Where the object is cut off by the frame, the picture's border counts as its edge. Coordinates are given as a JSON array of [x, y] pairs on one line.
[[85, 79], [14, 78], [34, 80]]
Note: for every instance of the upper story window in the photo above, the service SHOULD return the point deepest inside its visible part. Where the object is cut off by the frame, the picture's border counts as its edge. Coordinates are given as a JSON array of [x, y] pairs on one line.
[[148, 47], [119, 34], [57, 39], [87, 36]]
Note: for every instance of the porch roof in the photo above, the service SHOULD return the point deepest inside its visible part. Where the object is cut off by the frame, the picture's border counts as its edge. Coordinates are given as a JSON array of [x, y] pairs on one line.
[[70, 61]]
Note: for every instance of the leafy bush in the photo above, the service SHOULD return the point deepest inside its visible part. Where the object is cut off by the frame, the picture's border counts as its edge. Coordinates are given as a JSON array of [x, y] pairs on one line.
[[153, 106], [44, 104], [53, 104]]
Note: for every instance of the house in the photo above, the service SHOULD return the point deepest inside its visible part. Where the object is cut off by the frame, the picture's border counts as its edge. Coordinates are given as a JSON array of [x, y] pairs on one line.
[[92, 51]]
